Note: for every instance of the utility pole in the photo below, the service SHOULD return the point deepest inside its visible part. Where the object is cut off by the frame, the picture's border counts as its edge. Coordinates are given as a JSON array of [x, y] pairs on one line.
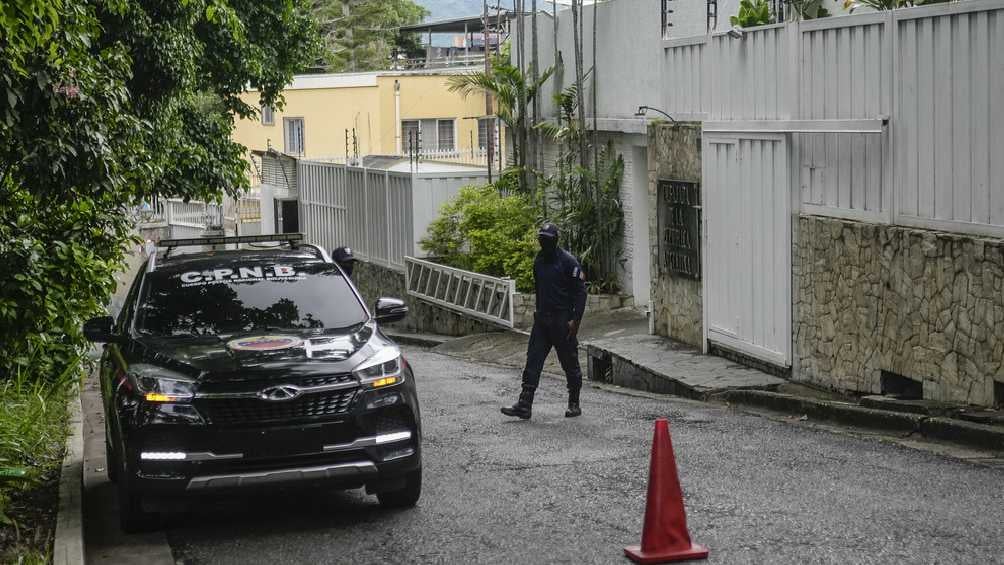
[[488, 95], [579, 98], [535, 144], [596, 146]]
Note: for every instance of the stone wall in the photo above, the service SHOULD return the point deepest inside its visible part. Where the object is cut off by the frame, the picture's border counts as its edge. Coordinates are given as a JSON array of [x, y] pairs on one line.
[[674, 153], [374, 281], [525, 304], [920, 304]]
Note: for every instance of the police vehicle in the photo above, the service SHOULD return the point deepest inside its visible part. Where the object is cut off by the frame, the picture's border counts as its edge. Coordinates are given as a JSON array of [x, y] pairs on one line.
[[253, 367]]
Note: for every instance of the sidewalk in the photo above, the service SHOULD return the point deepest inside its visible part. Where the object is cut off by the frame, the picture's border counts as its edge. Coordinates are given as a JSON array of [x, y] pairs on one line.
[[617, 349]]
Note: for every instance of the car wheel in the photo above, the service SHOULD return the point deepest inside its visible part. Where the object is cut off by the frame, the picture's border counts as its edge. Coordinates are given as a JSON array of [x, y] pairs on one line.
[[111, 462], [405, 497], [132, 517]]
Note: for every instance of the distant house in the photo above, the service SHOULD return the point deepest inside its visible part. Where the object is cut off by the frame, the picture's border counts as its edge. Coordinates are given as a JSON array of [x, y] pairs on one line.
[[351, 115]]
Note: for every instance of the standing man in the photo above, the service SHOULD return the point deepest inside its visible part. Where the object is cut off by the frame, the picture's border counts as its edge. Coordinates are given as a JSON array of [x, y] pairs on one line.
[[345, 259], [561, 301]]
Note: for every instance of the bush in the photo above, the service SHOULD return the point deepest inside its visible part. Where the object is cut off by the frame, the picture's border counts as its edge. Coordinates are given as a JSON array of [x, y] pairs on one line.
[[33, 429], [483, 231]]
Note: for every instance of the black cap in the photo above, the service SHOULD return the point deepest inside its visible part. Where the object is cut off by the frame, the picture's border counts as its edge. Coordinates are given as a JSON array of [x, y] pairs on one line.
[[548, 230], [343, 255]]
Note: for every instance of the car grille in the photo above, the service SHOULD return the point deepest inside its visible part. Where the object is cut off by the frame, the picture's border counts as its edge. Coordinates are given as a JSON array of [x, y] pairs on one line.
[[310, 406]]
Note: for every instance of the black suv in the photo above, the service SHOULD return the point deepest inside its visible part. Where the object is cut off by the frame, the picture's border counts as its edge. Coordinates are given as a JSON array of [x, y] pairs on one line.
[[245, 368]]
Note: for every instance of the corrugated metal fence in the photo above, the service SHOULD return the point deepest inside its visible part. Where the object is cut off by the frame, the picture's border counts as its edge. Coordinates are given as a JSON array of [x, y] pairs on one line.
[[937, 73], [367, 209]]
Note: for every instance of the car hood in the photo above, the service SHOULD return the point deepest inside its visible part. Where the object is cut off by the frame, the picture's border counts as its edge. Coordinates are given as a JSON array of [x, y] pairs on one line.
[[264, 355]]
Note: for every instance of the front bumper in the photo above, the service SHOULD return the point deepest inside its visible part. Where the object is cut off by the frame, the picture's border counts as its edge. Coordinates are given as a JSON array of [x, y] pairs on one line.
[[367, 446]]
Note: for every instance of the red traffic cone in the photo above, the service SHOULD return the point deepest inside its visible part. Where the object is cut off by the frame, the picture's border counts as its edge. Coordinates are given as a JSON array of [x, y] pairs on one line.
[[664, 537]]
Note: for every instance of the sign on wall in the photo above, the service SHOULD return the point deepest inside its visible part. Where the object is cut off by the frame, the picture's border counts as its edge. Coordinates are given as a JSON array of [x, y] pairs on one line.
[[680, 228]]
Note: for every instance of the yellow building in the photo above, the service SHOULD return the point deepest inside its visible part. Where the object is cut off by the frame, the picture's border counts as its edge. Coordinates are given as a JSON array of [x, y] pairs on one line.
[[377, 113]]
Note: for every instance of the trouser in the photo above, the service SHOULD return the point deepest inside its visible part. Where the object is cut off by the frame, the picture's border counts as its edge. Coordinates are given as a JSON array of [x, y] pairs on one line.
[[551, 330]]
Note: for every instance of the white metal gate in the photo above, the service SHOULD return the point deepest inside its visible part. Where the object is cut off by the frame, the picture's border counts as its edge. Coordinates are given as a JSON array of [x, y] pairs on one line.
[[747, 226]]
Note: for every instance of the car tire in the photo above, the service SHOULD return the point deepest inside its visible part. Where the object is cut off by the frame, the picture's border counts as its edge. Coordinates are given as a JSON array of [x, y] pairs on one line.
[[111, 462], [406, 497], [132, 517]]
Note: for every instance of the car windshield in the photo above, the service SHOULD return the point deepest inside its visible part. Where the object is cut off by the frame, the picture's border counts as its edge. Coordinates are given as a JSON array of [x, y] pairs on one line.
[[236, 299]]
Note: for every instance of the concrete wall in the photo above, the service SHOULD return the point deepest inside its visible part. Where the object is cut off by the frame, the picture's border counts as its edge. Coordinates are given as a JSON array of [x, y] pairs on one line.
[[674, 153], [374, 281], [629, 53], [525, 304], [921, 304]]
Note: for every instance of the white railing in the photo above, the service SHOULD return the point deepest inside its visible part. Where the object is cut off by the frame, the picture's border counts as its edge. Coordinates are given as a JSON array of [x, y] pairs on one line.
[[473, 294]]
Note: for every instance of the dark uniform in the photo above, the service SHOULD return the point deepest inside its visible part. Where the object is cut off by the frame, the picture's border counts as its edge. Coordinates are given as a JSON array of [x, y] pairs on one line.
[[561, 301]]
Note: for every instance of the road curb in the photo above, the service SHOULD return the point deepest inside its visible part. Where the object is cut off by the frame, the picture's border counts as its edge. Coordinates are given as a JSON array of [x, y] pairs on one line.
[[948, 429], [68, 547]]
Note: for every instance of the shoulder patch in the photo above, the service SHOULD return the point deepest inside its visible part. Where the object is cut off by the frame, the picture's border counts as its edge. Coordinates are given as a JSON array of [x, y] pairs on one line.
[[577, 273]]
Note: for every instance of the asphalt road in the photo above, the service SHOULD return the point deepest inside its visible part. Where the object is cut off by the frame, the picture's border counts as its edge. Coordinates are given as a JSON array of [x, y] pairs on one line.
[[556, 490]]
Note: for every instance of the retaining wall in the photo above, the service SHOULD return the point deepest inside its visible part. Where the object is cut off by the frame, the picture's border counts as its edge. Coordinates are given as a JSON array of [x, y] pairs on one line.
[[920, 304]]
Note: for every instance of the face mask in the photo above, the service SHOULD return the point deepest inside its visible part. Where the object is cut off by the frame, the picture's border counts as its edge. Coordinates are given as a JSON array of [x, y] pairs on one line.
[[548, 244], [347, 267]]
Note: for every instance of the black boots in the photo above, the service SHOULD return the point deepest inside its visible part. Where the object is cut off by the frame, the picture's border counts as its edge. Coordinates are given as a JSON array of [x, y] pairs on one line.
[[523, 406], [573, 405]]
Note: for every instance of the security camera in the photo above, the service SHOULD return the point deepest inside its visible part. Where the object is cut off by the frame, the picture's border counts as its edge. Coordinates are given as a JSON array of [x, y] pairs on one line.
[[736, 33]]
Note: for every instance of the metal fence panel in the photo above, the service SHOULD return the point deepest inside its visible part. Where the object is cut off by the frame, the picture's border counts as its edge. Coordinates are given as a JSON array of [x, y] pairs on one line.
[[473, 294], [844, 74], [950, 117], [935, 71]]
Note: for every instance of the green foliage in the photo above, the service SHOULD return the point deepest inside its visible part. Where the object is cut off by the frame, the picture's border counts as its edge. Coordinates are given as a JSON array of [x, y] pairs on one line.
[[361, 35], [585, 203], [587, 208], [852, 5], [752, 13], [484, 231], [808, 9], [33, 428], [103, 104]]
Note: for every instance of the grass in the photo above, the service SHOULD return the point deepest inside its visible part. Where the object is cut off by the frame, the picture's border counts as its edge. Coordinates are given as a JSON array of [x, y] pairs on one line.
[[33, 430]]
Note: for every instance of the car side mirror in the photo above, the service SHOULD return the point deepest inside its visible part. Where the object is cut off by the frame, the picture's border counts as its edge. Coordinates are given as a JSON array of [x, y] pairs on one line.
[[99, 330], [390, 310]]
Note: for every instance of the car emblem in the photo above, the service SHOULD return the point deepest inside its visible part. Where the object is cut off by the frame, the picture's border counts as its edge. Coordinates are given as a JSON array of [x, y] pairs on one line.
[[279, 393], [264, 343]]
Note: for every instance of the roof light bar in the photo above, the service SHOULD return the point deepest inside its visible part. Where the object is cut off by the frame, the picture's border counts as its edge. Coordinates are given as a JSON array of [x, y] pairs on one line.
[[188, 242]]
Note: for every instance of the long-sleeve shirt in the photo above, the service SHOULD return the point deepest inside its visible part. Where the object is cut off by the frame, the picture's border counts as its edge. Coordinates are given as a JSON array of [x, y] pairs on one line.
[[560, 284]]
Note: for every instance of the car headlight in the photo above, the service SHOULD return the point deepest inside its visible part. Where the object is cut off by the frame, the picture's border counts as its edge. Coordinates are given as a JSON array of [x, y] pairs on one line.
[[157, 384], [381, 370]]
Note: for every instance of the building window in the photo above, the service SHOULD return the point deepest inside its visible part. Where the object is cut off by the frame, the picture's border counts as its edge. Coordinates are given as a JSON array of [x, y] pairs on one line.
[[445, 138], [484, 126], [411, 135], [293, 135], [267, 115]]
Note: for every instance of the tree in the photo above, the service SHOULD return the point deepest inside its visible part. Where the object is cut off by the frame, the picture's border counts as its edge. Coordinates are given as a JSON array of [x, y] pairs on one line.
[[103, 105], [362, 35], [513, 94]]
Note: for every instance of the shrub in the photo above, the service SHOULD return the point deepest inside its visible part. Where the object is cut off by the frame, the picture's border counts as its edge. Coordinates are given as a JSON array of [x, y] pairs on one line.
[[484, 231], [33, 428]]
